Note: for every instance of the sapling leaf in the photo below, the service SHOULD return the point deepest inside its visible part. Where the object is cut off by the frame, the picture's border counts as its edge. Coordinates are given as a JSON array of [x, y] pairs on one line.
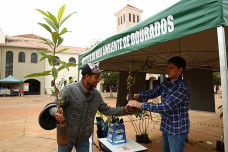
[[61, 12], [63, 63], [44, 57], [65, 18], [46, 41], [49, 44], [54, 20], [62, 50], [41, 53], [68, 65], [60, 40], [44, 13], [50, 60], [55, 36], [46, 27], [38, 74], [54, 73], [51, 23], [64, 30], [46, 51]]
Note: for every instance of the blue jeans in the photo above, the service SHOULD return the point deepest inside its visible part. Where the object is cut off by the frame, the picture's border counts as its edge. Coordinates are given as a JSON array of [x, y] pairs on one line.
[[80, 147], [173, 143]]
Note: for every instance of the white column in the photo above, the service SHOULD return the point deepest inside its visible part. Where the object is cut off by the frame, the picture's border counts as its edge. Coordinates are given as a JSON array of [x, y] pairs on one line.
[[224, 81], [162, 77], [151, 83]]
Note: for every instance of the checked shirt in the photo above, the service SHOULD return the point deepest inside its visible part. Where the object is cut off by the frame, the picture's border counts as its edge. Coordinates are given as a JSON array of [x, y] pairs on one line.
[[174, 105]]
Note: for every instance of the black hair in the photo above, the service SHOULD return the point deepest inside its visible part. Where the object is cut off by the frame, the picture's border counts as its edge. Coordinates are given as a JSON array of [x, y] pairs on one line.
[[178, 61], [83, 76]]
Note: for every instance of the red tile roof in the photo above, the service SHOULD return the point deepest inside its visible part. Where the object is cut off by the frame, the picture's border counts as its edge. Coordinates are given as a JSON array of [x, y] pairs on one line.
[[31, 36], [71, 49], [23, 44], [38, 45], [131, 6]]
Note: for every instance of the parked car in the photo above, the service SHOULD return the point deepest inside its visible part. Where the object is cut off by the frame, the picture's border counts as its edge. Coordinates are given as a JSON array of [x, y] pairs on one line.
[[5, 92]]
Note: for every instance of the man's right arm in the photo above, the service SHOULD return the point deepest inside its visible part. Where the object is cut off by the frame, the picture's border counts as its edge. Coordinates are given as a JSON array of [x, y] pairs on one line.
[[149, 94]]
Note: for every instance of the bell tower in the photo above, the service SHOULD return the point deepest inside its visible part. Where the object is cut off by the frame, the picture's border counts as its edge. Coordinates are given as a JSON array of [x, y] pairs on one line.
[[2, 37], [127, 16]]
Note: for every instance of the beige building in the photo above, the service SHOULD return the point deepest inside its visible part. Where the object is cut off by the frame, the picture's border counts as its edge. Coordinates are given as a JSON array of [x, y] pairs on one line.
[[18, 58], [127, 16]]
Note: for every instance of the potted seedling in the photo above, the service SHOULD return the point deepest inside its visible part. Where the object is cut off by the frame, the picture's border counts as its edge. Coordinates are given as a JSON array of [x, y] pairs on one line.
[[54, 26], [141, 128], [131, 79]]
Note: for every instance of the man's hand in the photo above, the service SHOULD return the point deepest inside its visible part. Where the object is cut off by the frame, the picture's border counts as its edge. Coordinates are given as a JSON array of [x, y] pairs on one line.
[[134, 103], [59, 115], [136, 96], [130, 110]]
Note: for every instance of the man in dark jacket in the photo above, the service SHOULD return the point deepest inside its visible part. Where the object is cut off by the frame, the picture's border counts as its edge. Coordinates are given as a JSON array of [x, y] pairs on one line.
[[80, 102]]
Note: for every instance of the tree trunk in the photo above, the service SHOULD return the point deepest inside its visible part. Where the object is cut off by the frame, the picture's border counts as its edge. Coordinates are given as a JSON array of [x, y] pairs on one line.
[[216, 88], [110, 89]]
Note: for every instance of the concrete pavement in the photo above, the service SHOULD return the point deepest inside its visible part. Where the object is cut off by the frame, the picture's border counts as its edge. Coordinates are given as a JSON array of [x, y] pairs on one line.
[[20, 131]]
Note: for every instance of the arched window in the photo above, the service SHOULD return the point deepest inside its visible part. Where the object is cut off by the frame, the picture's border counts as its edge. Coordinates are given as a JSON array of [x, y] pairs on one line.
[[9, 63], [72, 60], [56, 61], [137, 18], [33, 58], [134, 18], [21, 57], [52, 83], [129, 17]]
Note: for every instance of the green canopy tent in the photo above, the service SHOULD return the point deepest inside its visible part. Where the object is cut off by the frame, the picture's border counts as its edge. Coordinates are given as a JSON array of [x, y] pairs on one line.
[[186, 28], [193, 29]]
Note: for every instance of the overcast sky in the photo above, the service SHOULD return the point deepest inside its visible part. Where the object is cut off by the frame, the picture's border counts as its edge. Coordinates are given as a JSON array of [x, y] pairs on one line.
[[94, 20]]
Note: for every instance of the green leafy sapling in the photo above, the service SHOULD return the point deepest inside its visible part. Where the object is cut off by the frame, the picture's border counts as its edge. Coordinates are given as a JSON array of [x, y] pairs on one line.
[[131, 79], [54, 26]]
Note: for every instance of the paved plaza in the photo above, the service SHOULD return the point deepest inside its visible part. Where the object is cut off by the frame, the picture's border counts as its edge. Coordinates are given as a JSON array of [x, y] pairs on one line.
[[20, 131]]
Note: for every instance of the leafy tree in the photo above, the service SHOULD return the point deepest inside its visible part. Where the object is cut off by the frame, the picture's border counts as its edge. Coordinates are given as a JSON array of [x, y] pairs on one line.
[[93, 44], [110, 78], [54, 26], [216, 80]]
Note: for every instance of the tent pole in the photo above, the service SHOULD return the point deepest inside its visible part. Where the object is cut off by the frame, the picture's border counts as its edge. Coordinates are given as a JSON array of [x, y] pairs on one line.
[[224, 81]]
